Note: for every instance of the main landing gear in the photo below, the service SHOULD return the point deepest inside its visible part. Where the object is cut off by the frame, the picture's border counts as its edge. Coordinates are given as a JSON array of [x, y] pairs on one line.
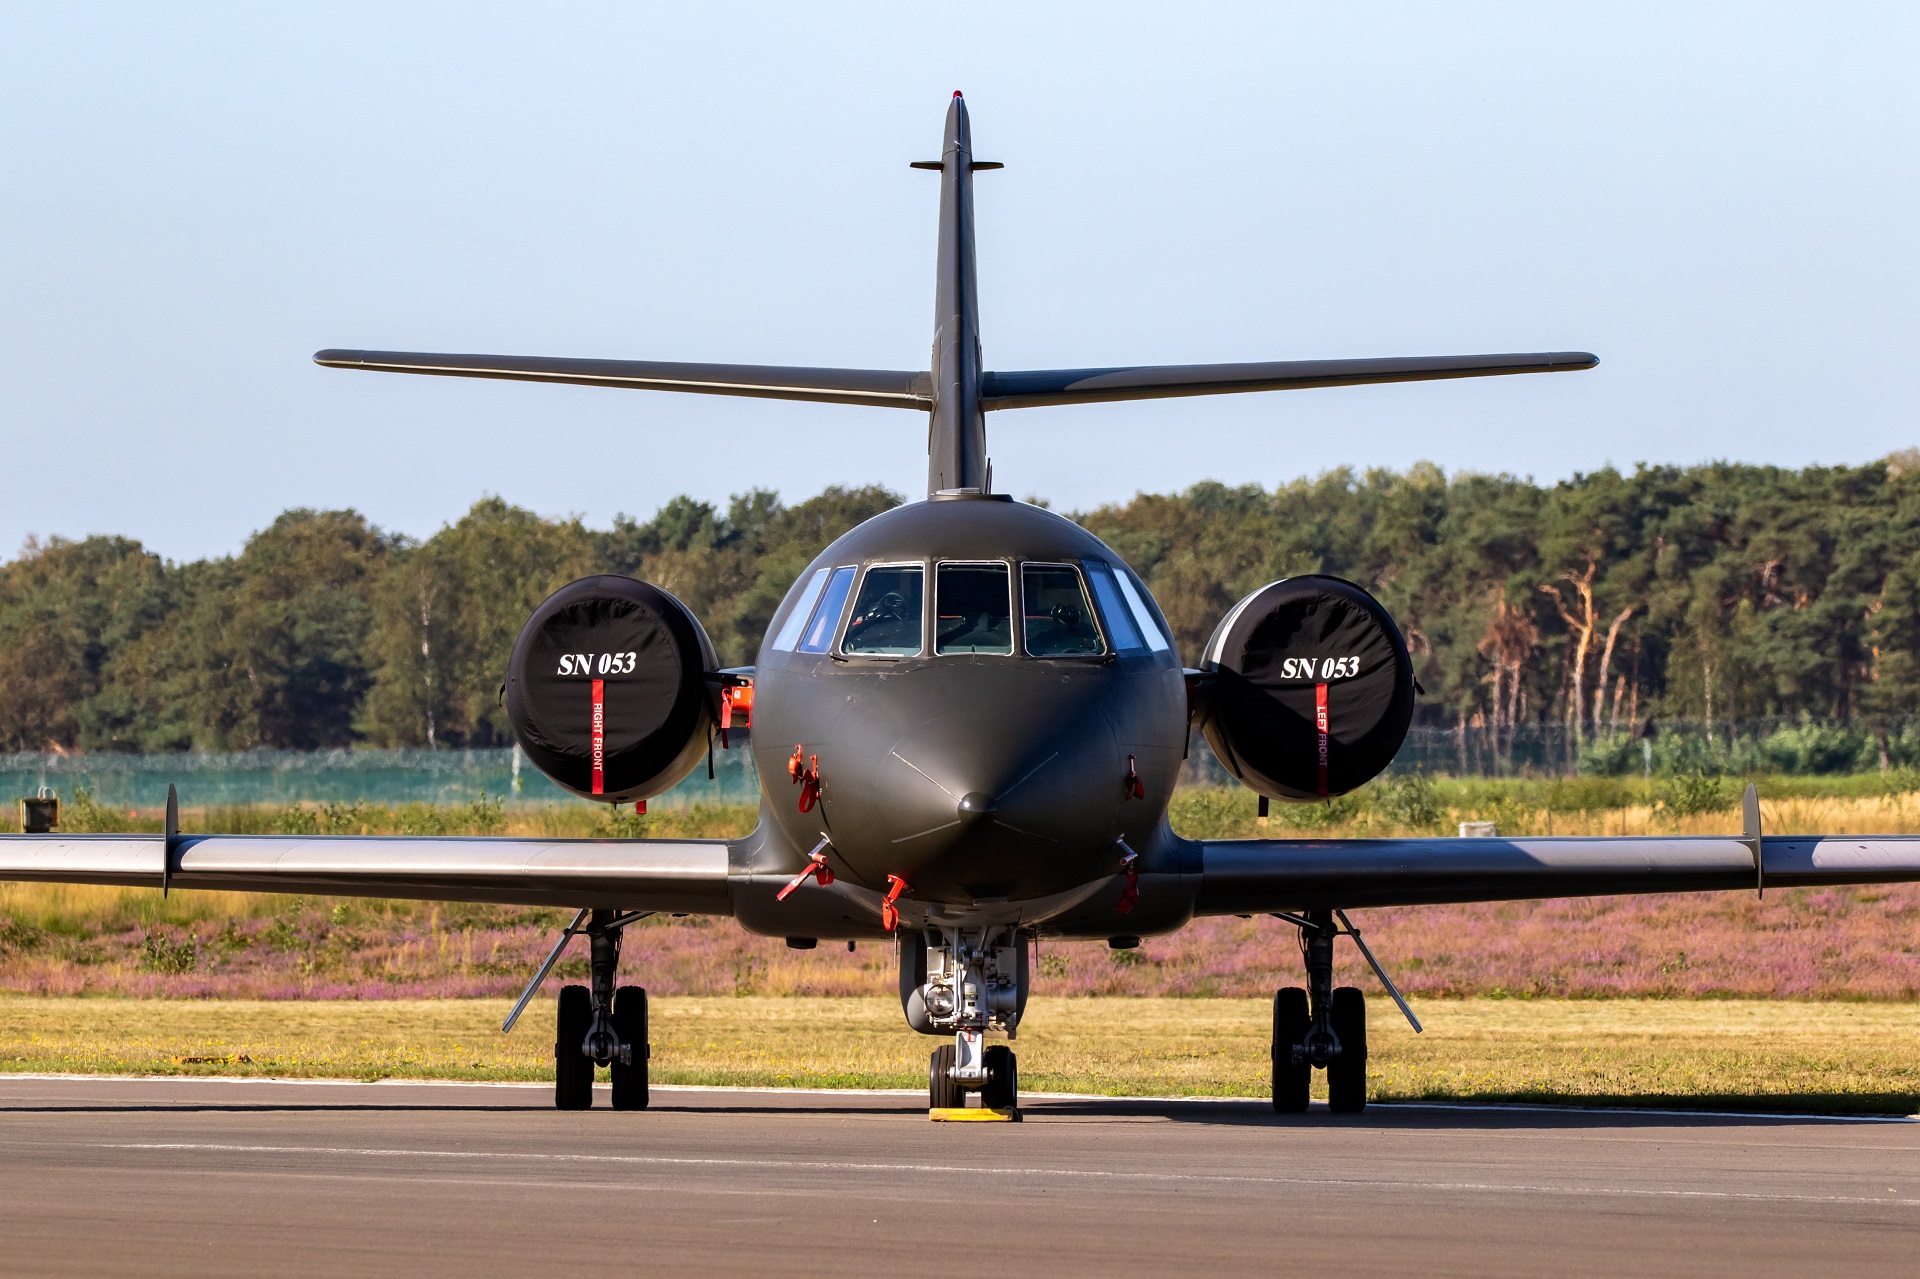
[[1324, 1026], [597, 1024]]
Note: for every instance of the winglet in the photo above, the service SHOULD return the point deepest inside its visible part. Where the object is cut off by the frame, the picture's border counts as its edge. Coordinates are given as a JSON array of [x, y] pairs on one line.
[[1750, 836]]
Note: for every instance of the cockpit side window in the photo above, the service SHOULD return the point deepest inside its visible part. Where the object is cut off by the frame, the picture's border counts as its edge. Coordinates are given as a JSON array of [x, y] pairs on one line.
[[886, 617], [1113, 609], [973, 606], [826, 618], [1057, 618], [1142, 615], [802, 610]]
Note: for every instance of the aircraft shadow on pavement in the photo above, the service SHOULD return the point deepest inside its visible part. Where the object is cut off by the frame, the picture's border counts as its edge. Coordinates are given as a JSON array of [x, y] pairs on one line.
[[1616, 1113], [260, 1108], [1623, 1112]]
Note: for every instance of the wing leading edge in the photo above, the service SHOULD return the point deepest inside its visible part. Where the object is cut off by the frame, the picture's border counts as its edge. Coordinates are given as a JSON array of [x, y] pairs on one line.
[[887, 388], [881, 388], [680, 876], [1259, 876], [1043, 387]]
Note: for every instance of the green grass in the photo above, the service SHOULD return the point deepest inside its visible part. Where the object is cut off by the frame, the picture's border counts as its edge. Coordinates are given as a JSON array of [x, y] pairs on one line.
[[1725, 1054]]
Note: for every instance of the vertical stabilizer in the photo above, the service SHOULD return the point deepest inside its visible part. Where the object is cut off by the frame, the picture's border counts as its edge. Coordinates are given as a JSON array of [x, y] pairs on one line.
[[957, 437]]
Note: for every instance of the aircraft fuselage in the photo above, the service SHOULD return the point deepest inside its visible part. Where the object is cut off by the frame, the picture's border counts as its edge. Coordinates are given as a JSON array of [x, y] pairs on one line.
[[1001, 761]]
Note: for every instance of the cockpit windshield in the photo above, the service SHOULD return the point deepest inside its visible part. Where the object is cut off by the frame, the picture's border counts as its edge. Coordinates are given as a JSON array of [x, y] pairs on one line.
[[1085, 609], [826, 619], [1058, 619], [974, 604], [1130, 623], [886, 617]]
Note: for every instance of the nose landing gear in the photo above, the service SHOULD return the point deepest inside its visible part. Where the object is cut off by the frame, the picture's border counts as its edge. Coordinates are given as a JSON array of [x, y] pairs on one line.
[[973, 980]]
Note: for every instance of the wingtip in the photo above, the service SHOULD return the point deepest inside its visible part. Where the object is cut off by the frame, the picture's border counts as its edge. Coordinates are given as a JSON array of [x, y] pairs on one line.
[[336, 359]]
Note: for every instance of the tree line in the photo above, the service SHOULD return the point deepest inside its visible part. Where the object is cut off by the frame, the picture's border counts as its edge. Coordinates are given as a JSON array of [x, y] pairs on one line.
[[1719, 593]]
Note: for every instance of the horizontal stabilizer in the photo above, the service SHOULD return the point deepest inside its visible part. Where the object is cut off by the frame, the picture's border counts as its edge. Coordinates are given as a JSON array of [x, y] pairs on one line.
[[878, 387], [1148, 382]]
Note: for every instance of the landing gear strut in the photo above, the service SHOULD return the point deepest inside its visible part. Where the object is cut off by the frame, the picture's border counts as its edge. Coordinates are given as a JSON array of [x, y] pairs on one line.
[[599, 1025], [1321, 1026], [968, 981]]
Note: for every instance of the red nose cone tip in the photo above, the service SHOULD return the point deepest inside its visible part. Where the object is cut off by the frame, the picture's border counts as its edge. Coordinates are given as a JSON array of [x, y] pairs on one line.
[[956, 93]]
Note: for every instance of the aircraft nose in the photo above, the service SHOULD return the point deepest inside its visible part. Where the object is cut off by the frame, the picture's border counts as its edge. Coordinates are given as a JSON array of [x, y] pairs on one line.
[[974, 807], [1018, 810]]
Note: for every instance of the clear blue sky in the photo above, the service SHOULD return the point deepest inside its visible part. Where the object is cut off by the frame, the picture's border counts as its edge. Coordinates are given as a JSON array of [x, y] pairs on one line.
[[1719, 200]]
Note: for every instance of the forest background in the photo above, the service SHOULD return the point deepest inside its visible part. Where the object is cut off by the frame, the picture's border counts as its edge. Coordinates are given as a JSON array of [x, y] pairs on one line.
[[1716, 593]]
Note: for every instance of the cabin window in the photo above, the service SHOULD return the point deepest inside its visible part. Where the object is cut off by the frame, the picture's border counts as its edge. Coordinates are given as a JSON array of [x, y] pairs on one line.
[[974, 609], [1119, 618], [886, 617], [1057, 617], [1142, 615], [826, 618], [802, 610]]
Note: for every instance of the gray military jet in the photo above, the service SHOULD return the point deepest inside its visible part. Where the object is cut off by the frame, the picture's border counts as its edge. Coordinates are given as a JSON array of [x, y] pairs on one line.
[[968, 719]]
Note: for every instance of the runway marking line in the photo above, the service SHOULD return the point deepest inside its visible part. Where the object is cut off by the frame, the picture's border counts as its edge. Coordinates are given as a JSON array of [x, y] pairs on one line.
[[1092, 1174], [1516, 1106]]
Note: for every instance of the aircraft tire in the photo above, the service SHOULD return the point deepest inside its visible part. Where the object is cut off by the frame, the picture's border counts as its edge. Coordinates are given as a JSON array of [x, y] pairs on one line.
[[1003, 1079], [943, 1090], [572, 1069], [1347, 1073], [1291, 1020], [630, 1023]]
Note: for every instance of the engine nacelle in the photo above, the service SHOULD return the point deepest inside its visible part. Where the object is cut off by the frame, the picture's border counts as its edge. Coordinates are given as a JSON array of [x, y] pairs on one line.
[[607, 689], [1312, 688]]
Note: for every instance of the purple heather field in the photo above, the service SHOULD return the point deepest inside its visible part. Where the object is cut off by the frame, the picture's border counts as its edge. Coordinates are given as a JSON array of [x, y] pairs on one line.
[[1847, 943]]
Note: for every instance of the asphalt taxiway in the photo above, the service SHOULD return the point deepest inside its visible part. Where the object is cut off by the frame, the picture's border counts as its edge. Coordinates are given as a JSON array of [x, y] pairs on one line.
[[195, 1177]]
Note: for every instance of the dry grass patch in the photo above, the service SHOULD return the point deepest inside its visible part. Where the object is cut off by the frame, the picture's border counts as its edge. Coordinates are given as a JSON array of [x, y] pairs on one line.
[[1741, 1054]]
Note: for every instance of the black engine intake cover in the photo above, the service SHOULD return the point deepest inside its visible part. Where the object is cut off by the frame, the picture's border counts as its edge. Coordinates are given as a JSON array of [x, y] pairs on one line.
[[1313, 691], [607, 689]]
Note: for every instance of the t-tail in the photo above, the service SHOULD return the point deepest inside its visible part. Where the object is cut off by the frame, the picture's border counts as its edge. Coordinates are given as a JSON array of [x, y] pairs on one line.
[[957, 391], [957, 437]]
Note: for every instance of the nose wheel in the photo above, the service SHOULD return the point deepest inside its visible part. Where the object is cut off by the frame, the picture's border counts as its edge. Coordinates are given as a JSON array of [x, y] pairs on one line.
[[1003, 1079], [999, 1091]]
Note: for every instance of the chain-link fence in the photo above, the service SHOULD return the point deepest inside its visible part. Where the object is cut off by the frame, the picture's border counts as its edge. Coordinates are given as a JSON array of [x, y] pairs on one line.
[[1794, 747], [367, 776]]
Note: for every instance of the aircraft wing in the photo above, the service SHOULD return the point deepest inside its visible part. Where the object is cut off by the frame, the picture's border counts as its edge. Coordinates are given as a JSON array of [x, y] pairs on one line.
[[1259, 876], [1150, 381], [876, 387], [675, 876]]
